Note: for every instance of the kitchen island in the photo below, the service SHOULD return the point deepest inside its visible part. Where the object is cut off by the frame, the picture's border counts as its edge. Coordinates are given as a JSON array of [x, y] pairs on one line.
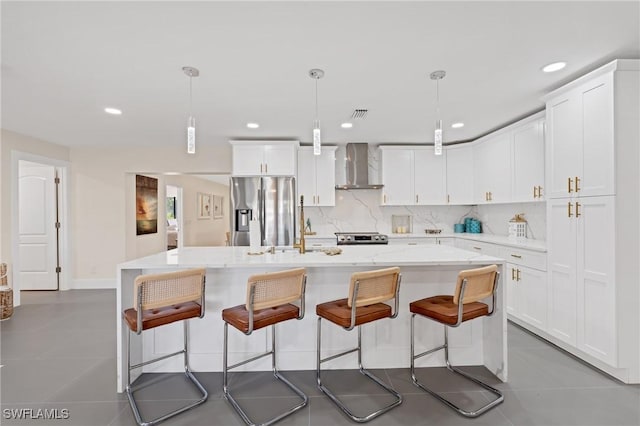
[[426, 271]]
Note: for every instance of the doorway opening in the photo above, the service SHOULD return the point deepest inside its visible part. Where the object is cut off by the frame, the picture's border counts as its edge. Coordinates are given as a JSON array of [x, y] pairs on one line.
[[175, 225]]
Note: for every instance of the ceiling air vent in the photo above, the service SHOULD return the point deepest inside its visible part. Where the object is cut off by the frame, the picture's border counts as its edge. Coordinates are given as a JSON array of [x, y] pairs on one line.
[[359, 114]]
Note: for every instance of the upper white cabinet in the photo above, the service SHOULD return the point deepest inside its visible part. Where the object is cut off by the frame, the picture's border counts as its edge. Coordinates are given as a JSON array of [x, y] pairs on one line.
[[492, 168], [459, 174], [412, 176], [317, 176], [581, 135], [527, 146], [272, 158], [509, 164]]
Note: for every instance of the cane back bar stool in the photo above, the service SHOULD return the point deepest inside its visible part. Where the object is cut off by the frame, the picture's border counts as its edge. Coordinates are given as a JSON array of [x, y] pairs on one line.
[[367, 292], [161, 299], [472, 286], [269, 301]]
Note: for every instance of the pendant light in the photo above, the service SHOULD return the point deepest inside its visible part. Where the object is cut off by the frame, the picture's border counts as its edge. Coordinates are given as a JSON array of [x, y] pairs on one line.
[[437, 134], [191, 122], [316, 74]]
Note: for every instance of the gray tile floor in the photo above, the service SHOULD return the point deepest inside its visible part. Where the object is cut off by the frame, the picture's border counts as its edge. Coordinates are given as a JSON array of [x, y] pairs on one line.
[[58, 352]]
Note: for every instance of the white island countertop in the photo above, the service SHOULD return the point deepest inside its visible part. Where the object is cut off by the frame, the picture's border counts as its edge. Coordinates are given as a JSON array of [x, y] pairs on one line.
[[378, 255]]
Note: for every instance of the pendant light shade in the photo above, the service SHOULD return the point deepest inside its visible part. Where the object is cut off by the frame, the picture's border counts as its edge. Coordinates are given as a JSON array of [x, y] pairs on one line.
[[191, 122], [316, 74], [437, 133]]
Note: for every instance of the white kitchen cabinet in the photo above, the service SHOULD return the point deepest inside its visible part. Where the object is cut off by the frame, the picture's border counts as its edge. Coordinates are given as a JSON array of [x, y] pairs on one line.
[[429, 173], [273, 158], [582, 274], [492, 168], [397, 176], [317, 176], [459, 173], [593, 205], [581, 134], [527, 145], [527, 294], [412, 176]]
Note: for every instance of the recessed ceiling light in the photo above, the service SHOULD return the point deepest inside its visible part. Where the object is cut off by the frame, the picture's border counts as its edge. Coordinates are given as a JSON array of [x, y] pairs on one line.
[[457, 125], [556, 66], [346, 125], [113, 111], [253, 125]]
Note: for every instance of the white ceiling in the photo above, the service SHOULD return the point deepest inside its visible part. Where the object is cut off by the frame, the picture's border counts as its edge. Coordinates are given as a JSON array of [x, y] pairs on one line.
[[63, 62]]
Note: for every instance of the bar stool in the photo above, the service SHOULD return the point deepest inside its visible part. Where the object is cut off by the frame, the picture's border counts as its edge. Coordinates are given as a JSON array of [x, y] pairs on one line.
[[472, 286], [161, 299], [367, 292], [269, 298]]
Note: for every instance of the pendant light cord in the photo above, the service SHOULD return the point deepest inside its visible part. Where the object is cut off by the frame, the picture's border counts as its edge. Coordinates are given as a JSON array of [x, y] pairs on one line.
[[316, 100], [190, 94], [438, 98]]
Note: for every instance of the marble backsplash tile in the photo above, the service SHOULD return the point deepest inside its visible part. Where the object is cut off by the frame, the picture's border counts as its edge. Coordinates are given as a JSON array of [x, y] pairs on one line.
[[360, 211]]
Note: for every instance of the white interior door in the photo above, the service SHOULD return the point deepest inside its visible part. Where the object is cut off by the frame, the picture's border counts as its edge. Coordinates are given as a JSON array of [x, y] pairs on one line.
[[37, 241]]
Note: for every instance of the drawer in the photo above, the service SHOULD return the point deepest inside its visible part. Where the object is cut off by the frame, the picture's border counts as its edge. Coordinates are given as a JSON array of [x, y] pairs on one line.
[[320, 242], [480, 247], [532, 259]]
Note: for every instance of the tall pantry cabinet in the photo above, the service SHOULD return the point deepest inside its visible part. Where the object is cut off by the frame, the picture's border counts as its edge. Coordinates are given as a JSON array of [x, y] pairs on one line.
[[593, 214]]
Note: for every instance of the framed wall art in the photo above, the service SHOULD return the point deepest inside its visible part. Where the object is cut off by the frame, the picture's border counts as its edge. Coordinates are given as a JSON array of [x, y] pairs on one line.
[[146, 205], [217, 206], [204, 205]]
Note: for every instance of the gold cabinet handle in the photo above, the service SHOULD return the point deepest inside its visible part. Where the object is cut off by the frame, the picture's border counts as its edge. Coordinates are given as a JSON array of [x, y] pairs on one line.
[[517, 256], [535, 192], [517, 274], [318, 198], [569, 210], [486, 196], [265, 168], [384, 198], [539, 192], [477, 248], [577, 209], [314, 199], [490, 196], [513, 274], [416, 198], [412, 244], [577, 184], [260, 167], [569, 182], [448, 201]]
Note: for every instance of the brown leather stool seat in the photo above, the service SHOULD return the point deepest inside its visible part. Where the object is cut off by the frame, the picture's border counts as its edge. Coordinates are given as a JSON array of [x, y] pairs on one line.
[[472, 286], [161, 316], [161, 299], [442, 309], [238, 316], [338, 312], [367, 293], [270, 298]]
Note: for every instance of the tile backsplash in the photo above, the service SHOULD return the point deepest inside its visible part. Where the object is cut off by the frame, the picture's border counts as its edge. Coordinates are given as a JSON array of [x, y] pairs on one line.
[[360, 211]]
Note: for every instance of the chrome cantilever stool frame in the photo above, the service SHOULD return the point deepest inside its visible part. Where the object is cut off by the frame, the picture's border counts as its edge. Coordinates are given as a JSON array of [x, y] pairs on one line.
[[269, 298], [162, 299], [465, 306], [367, 292]]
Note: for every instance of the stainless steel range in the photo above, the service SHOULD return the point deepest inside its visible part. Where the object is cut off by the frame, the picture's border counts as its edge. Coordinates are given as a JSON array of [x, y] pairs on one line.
[[355, 238]]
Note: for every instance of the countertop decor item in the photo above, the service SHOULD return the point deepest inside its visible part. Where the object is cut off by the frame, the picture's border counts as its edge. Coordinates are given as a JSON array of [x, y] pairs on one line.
[[433, 231], [458, 228], [518, 227], [332, 251]]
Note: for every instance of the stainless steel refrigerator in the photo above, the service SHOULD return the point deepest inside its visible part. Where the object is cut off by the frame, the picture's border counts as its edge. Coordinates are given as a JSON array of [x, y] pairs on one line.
[[271, 201]]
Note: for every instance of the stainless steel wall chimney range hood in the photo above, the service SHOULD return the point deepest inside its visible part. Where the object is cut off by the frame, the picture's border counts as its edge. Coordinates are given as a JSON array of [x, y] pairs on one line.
[[357, 168]]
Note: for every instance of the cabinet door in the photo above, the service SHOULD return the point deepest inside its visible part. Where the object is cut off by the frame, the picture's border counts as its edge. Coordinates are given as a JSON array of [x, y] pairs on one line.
[[325, 170], [280, 160], [512, 290], [429, 177], [561, 269], [528, 161], [532, 285], [597, 176], [248, 160], [459, 175], [563, 145], [480, 179], [497, 168], [596, 288], [306, 176], [397, 177]]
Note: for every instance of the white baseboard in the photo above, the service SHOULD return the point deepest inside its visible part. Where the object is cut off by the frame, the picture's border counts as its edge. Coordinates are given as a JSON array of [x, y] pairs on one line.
[[92, 284]]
